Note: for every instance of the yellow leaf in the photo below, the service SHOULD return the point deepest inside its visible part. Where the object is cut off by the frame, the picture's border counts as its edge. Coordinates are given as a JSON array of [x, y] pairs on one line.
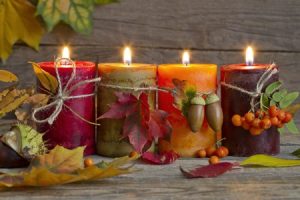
[[47, 80], [18, 22], [12, 101], [269, 161], [38, 99], [3, 93], [60, 160], [45, 170], [6, 76], [43, 177]]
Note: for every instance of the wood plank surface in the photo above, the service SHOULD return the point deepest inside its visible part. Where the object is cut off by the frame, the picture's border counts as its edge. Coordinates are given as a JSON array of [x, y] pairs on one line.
[[216, 32], [197, 24], [166, 182]]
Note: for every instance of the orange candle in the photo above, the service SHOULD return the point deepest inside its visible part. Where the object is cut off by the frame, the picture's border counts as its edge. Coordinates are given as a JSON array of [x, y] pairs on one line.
[[204, 78]]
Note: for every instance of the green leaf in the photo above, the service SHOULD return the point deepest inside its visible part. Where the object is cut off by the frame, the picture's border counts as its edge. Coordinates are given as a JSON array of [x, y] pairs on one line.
[[264, 102], [281, 130], [296, 153], [288, 99], [261, 160], [272, 102], [76, 13], [277, 96], [104, 2], [292, 128], [273, 87]]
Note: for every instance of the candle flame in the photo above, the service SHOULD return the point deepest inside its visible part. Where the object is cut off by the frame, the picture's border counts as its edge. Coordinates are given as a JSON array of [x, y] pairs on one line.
[[249, 56], [65, 52], [127, 56], [186, 58]]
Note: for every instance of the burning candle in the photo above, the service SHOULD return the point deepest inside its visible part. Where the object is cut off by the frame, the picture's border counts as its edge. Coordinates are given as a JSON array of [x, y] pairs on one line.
[[71, 128], [129, 75], [204, 77], [246, 76]]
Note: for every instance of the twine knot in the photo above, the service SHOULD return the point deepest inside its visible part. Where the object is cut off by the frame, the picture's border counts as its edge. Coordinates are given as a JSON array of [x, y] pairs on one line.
[[265, 77], [63, 94]]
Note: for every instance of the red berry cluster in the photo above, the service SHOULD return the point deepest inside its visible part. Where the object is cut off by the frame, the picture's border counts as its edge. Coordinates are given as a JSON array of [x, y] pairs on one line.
[[259, 121]]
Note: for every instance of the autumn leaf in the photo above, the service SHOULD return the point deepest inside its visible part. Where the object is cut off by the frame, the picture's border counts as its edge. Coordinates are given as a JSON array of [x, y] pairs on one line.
[[48, 81], [160, 159], [60, 160], [141, 125], [63, 166], [261, 160], [76, 13], [183, 94], [18, 22], [12, 100], [208, 171], [104, 2], [7, 76]]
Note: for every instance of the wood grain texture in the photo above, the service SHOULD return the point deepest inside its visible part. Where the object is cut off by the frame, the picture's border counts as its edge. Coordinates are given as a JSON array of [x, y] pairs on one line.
[[166, 182], [197, 24], [216, 32]]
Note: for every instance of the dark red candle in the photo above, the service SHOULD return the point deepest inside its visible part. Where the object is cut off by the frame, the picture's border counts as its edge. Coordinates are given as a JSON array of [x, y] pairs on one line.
[[68, 129], [239, 141]]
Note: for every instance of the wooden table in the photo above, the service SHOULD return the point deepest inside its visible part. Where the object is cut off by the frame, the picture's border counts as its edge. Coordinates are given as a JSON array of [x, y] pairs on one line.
[[166, 182]]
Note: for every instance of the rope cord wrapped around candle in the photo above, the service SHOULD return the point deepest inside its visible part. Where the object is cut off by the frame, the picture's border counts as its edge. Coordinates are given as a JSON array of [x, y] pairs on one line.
[[63, 94], [271, 70], [150, 88]]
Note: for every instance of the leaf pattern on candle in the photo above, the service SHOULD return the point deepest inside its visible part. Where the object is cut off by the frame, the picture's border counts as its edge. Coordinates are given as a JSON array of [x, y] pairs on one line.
[[183, 94], [141, 125]]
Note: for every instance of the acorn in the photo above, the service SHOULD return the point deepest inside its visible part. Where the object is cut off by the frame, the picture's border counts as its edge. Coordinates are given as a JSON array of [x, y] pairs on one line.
[[196, 113], [213, 112]]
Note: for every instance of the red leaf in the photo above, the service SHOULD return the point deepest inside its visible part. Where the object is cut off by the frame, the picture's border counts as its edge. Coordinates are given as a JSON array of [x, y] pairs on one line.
[[124, 106], [160, 159], [135, 131], [141, 125], [209, 171], [159, 126]]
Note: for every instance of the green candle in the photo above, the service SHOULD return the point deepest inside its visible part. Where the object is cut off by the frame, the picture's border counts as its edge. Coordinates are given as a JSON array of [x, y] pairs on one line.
[[109, 134]]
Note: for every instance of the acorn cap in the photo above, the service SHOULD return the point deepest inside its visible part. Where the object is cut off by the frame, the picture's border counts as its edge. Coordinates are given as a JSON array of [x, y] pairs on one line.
[[198, 101], [212, 98]]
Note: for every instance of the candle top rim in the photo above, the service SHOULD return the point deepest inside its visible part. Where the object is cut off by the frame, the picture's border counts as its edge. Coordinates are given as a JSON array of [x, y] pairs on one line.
[[79, 64], [243, 66], [192, 65], [123, 65]]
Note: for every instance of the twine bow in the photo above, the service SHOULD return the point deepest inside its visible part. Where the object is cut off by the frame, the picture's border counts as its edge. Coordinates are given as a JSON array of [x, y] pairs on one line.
[[63, 94], [271, 70]]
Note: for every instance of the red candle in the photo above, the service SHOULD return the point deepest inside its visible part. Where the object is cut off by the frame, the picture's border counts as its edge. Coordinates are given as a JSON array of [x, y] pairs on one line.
[[68, 129], [238, 140]]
